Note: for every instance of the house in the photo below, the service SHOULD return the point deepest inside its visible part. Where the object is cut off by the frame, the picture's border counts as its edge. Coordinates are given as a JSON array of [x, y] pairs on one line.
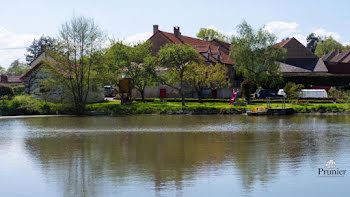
[[33, 83], [12, 80], [302, 66], [214, 51]]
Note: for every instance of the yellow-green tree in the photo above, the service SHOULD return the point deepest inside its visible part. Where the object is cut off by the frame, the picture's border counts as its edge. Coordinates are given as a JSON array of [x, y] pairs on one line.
[[202, 75], [326, 45], [211, 34], [177, 58], [256, 55]]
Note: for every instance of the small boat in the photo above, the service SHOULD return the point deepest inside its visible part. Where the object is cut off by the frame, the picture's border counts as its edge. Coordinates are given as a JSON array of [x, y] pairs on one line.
[[257, 111]]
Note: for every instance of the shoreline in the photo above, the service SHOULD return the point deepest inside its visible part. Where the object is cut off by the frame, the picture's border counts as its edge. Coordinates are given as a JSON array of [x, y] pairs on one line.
[[99, 114]]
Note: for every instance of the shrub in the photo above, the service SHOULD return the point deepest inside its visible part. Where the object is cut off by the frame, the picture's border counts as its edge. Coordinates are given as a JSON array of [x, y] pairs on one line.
[[248, 87], [292, 90], [18, 90], [337, 94], [6, 91]]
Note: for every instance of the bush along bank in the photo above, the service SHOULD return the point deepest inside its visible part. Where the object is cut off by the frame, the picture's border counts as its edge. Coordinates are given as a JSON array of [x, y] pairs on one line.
[[28, 105]]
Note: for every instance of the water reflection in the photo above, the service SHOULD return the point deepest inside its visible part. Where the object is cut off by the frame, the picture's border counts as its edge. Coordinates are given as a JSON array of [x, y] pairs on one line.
[[112, 156]]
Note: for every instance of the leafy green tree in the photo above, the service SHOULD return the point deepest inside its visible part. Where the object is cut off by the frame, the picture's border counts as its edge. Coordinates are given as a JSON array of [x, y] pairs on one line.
[[312, 41], [137, 62], [2, 70], [347, 47], [115, 59], [256, 55], [76, 60], [292, 90], [326, 45], [17, 68], [202, 75], [210, 34], [177, 58], [141, 70], [38, 46], [248, 87]]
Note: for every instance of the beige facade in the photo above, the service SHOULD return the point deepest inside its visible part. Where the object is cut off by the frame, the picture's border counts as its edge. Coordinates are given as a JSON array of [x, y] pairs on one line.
[[33, 83]]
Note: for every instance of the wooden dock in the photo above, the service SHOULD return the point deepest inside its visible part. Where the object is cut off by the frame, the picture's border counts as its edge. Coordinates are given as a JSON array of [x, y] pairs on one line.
[[280, 111]]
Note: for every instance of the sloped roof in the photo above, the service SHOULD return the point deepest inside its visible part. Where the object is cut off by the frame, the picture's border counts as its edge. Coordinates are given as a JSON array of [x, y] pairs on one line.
[[338, 62], [340, 57], [287, 68], [12, 79], [300, 59], [199, 45], [296, 49], [320, 66], [284, 42]]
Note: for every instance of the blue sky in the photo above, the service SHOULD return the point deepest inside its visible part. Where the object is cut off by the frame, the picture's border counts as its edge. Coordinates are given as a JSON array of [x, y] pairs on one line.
[[21, 20]]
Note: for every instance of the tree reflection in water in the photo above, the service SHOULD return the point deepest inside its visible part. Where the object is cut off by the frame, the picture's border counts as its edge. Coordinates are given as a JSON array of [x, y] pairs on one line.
[[82, 162]]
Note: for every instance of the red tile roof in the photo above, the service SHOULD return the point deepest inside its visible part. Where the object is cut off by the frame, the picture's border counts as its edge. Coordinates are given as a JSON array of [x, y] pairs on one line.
[[200, 45], [284, 42]]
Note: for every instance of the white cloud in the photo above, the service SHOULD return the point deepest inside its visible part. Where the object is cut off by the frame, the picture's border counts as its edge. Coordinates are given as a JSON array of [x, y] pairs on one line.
[[139, 37], [282, 29], [323, 33], [12, 46], [301, 38], [346, 43]]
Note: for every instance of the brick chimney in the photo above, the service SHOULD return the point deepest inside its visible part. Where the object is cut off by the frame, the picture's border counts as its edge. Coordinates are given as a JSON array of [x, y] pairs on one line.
[[3, 79], [177, 32], [155, 28]]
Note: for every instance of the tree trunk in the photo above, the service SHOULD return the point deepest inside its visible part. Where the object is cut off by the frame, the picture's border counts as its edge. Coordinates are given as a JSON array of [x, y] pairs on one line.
[[199, 92], [142, 92], [182, 90]]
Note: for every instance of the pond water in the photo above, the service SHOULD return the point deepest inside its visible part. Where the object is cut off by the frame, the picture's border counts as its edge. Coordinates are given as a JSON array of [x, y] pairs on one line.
[[218, 155]]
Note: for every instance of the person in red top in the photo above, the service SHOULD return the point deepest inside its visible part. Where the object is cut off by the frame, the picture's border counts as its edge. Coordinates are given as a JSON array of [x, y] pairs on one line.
[[234, 96]]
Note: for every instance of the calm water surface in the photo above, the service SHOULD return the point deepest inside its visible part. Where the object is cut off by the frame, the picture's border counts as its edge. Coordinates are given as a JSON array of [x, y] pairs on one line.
[[173, 156]]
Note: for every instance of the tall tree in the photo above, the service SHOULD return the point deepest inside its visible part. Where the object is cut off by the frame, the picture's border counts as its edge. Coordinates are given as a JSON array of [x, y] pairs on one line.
[[256, 55], [38, 46], [76, 60], [2, 70], [312, 41], [142, 68], [210, 34], [17, 68], [177, 58], [202, 75], [326, 45], [115, 60]]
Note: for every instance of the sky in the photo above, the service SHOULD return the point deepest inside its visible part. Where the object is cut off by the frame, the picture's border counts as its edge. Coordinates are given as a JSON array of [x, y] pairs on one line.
[[21, 21]]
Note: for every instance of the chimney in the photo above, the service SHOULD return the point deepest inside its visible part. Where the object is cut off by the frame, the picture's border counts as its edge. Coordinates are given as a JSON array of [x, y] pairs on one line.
[[177, 32], [206, 38], [155, 28], [3, 79]]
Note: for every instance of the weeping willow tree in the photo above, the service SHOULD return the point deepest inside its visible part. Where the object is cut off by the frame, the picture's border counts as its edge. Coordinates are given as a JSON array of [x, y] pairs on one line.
[[256, 55]]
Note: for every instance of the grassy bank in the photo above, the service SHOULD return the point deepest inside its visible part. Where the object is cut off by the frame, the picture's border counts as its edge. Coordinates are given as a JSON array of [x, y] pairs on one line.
[[26, 105], [114, 107]]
